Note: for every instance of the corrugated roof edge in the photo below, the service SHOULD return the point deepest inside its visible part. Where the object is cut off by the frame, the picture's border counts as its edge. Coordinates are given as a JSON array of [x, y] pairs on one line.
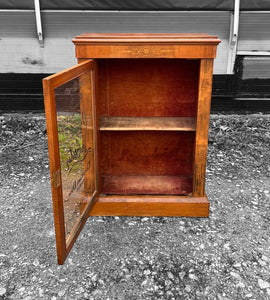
[[139, 5]]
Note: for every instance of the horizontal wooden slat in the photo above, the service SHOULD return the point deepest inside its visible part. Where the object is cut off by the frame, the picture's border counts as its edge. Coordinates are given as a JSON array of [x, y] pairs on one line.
[[93, 38], [148, 199], [149, 123], [153, 50], [66, 75], [148, 37], [150, 206]]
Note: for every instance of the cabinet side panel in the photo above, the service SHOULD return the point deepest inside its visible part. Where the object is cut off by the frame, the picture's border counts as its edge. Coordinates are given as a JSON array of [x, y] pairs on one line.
[[148, 87], [202, 126]]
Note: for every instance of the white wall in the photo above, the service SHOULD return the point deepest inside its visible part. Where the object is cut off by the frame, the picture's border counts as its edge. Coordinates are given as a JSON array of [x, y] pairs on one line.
[[254, 31], [20, 51]]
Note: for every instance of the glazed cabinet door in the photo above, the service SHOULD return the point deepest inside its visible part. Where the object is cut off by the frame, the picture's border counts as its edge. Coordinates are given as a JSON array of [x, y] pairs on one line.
[[70, 108]]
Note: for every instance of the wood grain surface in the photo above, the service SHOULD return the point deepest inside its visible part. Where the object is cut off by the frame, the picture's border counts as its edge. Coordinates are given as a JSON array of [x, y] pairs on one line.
[[147, 123], [161, 206], [148, 87]]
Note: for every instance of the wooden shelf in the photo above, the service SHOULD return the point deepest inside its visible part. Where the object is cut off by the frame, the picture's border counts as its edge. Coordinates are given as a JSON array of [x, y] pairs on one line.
[[147, 123]]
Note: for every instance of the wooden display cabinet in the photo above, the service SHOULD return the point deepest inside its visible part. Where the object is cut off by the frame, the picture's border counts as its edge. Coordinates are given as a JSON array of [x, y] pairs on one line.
[[128, 129]]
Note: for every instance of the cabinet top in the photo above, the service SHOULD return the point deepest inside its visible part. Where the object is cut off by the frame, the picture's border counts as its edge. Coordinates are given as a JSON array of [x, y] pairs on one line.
[[146, 38], [145, 45]]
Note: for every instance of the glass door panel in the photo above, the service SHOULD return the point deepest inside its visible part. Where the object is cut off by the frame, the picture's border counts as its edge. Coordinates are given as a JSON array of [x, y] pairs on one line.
[[71, 126]]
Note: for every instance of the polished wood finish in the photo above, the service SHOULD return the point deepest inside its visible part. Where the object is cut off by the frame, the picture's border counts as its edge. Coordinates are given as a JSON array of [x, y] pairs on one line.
[[54, 161], [176, 95], [139, 94], [69, 74], [147, 123], [85, 70], [145, 45], [151, 95], [87, 107], [202, 125], [146, 37], [160, 206]]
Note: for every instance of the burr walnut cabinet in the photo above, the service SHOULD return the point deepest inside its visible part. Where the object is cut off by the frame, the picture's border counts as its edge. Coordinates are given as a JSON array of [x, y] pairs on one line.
[[128, 129]]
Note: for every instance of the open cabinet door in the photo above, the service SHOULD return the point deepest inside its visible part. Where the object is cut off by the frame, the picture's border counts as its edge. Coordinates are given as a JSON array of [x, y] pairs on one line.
[[72, 141]]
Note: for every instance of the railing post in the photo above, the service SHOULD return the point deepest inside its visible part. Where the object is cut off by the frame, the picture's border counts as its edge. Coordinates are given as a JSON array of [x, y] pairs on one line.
[[38, 23], [234, 30]]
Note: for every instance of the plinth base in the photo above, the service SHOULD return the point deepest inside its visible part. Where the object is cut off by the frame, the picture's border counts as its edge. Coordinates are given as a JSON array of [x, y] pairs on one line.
[[159, 206]]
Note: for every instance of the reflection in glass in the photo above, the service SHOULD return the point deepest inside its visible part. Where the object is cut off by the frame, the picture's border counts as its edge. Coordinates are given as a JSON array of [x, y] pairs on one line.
[[75, 135]]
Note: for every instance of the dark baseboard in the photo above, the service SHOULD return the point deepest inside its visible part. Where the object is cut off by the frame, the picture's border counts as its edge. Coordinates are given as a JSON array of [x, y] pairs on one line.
[[230, 105], [23, 92], [21, 102]]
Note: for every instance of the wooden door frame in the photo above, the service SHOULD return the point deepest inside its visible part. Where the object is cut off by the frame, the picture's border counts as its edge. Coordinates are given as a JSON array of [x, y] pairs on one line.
[[50, 83]]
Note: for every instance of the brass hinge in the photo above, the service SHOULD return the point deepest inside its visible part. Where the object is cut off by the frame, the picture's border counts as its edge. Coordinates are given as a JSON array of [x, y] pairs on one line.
[[56, 178]]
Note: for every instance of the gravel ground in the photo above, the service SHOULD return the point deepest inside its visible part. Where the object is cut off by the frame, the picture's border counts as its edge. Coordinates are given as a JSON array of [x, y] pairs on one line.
[[225, 256]]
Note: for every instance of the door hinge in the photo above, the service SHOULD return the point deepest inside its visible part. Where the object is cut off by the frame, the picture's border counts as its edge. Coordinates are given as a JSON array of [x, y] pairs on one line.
[[56, 178]]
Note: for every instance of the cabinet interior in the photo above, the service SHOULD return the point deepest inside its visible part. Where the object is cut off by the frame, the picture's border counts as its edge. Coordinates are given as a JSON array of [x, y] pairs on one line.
[[147, 111]]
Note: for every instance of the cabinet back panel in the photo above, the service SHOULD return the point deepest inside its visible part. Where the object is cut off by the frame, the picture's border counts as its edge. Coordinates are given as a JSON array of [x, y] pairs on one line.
[[153, 185], [146, 162], [148, 87], [147, 153]]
